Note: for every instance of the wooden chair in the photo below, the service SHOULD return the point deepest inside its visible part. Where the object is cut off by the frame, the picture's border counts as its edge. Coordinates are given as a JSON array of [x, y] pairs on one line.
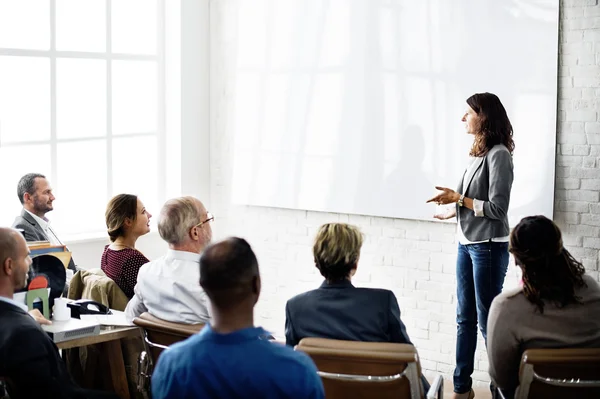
[[559, 373], [158, 335], [351, 369]]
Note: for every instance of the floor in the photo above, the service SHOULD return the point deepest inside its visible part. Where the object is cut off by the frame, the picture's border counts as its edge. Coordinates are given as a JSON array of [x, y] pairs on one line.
[[480, 392]]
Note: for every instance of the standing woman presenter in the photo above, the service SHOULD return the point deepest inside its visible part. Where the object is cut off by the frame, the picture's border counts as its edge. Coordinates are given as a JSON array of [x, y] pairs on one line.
[[482, 201]]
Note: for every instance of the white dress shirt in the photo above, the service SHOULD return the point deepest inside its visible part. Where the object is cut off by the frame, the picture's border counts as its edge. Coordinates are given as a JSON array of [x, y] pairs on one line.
[[169, 288], [45, 225]]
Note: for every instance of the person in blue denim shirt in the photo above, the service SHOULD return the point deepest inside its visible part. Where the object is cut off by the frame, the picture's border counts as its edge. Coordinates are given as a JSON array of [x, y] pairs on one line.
[[482, 201], [231, 357]]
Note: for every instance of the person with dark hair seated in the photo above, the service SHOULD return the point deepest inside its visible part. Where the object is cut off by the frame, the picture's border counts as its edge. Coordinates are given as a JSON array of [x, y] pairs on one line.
[[230, 358], [35, 193], [557, 306], [29, 360], [126, 220], [338, 309]]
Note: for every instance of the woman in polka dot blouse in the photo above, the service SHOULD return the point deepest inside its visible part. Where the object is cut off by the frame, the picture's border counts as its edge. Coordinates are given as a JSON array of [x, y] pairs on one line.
[[126, 220]]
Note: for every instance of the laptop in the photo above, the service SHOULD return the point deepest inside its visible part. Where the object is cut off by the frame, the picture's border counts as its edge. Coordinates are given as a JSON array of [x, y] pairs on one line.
[[60, 331]]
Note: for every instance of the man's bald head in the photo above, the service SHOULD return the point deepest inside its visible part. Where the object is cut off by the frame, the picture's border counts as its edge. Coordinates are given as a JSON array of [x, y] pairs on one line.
[[229, 273], [14, 260], [8, 243]]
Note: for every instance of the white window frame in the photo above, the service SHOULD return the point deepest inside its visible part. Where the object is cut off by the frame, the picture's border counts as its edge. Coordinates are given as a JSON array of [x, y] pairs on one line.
[[53, 54]]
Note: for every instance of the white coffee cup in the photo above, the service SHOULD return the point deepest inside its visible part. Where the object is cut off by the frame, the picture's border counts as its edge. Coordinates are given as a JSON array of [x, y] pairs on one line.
[[61, 311]]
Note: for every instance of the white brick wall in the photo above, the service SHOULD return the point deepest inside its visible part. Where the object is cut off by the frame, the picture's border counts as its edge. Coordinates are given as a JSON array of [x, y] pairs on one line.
[[415, 259]]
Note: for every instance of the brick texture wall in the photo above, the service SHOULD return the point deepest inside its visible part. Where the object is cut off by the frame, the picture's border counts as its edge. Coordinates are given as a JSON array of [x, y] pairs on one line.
[[415, 259]]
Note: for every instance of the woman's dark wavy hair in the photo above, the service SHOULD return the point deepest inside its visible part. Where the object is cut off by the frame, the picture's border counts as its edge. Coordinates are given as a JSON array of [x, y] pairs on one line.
[[494, 128], [550, 273]]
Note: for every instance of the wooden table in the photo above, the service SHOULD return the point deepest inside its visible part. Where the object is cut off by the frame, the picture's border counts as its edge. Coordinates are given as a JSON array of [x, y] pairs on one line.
[[111, 345], [113, 334]]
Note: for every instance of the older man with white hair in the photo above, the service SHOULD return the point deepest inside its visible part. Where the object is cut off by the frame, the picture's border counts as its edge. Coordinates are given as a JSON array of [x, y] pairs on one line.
[[169, 287]]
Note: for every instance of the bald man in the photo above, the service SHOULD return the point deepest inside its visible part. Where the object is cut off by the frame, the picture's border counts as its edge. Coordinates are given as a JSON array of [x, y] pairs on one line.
[[28, 357]]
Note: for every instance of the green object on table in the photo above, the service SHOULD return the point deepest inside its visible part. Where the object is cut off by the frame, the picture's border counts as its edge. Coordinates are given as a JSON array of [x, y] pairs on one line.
[[41, 293]]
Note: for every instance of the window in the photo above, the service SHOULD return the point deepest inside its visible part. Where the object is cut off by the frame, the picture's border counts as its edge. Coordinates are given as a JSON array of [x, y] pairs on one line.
[[83, 101]]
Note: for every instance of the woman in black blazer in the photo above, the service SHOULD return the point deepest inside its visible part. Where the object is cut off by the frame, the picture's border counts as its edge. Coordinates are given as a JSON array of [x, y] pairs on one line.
[[482, 201]]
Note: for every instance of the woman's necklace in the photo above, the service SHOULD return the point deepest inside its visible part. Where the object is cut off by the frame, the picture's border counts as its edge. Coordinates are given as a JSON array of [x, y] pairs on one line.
[[118, 245]]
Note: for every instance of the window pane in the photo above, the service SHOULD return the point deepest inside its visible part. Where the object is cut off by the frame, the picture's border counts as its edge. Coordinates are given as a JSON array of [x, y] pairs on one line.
[[81, 187], [25, 24], [142, 38], [24, 99], [252, 32], [14, 163], [81, 25], [135, 169], [134, 98], [81, 98]]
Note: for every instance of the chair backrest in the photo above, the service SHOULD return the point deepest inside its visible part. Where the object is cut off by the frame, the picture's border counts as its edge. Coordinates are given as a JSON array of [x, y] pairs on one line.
[[560, 373], [352, 369], [160, 334]]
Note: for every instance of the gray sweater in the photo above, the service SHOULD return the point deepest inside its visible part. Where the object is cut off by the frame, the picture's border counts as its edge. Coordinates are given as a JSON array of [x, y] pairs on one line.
[[515, 325]]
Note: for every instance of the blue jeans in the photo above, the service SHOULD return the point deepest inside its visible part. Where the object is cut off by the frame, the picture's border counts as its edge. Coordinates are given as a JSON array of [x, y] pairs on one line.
[[480, 272]]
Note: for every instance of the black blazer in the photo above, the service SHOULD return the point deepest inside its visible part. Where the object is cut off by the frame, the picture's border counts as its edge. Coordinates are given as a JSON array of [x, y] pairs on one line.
[[29, 358], [32, 231], [342, 311]]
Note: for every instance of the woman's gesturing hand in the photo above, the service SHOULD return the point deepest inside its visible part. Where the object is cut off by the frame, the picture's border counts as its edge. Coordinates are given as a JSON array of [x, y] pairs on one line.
[[449, 214], [447, 196]]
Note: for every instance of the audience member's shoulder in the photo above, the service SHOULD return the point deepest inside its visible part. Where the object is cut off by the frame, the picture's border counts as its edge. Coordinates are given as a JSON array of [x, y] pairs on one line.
[[143, 270], [149, 264], [19, 222], [138, 255], [511, 296], [301, 297], [590, 291], [378, 292], [179, 350], [134, 256], [590, 282], [24, 327]]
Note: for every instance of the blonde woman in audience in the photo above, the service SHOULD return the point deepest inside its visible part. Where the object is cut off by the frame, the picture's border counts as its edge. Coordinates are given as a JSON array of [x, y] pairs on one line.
[[126, 220], [557, 306], [338, 309]]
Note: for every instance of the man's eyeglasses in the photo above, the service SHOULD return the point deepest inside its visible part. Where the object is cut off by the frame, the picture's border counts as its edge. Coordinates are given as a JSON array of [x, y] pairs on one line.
[[209, 218]]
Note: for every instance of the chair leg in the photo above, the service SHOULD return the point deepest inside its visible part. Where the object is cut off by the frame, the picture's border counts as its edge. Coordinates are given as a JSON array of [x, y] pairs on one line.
[[143, 385]]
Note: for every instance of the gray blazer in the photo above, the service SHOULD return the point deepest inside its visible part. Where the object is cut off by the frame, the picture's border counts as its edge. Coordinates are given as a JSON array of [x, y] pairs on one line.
[[491, 181], [32, 231]]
